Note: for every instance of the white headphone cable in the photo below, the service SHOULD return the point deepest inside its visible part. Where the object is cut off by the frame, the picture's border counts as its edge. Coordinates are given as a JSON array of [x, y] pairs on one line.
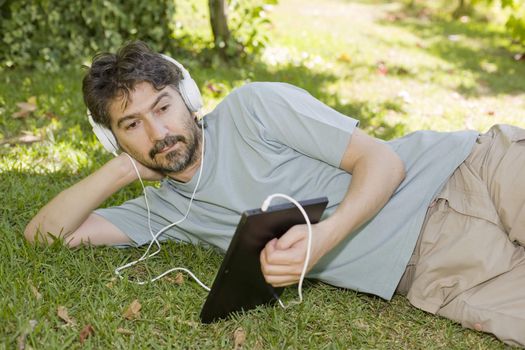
[[264, 207], [155, 236]]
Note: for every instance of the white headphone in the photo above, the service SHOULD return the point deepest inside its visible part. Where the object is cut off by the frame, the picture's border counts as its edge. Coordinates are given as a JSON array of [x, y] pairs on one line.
[[190, 94]]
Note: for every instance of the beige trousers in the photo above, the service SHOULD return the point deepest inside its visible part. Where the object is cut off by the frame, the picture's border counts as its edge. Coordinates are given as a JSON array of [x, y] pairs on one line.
[[469, 261]]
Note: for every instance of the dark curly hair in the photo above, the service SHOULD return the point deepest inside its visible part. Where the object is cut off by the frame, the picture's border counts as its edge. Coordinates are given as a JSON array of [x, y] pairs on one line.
[[116, 75]]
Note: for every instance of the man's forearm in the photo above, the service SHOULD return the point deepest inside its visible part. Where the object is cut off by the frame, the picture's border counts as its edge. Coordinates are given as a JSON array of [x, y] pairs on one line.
[[374, 180], [70, 208]]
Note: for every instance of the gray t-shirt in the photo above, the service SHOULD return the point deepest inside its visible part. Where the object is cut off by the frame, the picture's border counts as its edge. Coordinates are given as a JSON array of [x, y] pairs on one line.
[[266, 138]]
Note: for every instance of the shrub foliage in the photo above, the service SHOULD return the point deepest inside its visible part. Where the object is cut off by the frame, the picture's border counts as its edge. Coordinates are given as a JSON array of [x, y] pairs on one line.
[[51, 33]]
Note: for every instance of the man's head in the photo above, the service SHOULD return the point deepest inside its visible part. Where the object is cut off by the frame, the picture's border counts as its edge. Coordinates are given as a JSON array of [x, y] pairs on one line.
[[114, 76], [135, 94]]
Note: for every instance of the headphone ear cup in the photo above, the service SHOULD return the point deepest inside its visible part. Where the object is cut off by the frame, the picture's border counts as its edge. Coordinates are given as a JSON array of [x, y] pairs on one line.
[[104, 135], [188, 88], [191, 94]]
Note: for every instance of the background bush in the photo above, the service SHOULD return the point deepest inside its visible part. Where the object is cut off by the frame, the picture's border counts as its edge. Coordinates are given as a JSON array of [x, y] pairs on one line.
[[50, 33]]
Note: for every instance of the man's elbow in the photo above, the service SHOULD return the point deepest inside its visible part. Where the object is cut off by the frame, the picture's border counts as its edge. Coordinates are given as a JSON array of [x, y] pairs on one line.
[[399, 169], [30, 232], [33, 233], [394, 163]]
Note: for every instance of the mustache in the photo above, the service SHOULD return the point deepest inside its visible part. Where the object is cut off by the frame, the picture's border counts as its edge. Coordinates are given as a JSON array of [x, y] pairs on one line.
[[168, 141]]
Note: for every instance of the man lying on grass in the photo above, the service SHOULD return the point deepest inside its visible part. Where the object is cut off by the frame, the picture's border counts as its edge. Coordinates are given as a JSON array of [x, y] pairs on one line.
[[438, 217]]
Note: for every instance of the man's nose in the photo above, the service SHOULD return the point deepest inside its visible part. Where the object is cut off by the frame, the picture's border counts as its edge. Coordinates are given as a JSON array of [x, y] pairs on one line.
[[156, 130]]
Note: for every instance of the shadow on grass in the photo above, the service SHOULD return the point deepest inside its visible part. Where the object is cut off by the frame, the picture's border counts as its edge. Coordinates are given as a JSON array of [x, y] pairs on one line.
[[370, 114], [470, 47], [60, 94]]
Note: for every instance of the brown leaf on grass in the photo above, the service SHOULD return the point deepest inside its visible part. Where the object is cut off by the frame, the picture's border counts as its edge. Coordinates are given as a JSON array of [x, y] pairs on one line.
[[179, 278], [51, 115], [133, 310], [62, 313], [239, 337], [21, 339], [124, 331], [25, 138], [111, 282], [34, 290], [86, 332], [25, 108]]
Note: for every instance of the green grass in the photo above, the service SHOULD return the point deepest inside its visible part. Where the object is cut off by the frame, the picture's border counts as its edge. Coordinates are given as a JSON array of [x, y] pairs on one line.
[[331, 48]]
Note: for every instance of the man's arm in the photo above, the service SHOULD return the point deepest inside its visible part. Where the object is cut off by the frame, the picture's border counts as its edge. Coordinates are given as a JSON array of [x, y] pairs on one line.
[[376, 172], [69, 215]]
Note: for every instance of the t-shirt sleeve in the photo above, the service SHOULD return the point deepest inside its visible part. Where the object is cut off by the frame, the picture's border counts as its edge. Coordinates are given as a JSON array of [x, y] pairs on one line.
[[283, 113], [131, 217]]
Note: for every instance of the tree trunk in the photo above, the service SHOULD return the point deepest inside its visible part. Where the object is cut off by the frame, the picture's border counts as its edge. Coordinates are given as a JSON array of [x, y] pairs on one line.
[[462, 9], [219, 25]]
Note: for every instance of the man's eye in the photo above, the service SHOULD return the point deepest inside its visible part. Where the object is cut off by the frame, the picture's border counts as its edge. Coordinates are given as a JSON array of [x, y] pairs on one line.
[[164, 108], [131, 125]]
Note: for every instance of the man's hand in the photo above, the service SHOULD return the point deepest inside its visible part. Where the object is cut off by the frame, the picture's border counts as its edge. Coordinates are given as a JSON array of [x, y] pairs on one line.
[[146, 173], [282, 259]]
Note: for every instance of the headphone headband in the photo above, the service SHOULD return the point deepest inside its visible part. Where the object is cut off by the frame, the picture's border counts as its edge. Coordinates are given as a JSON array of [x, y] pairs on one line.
[[190, 94]]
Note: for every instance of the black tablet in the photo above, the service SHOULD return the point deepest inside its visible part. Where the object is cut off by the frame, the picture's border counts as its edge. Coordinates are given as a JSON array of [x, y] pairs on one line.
[[239, 284]]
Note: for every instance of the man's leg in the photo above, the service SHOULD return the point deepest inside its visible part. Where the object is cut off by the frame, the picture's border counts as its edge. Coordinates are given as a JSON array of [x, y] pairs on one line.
[[496, 306], [500, 162], [465, 267]]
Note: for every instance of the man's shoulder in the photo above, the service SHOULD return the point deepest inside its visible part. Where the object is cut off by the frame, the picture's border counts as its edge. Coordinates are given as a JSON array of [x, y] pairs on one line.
[[261, 88]]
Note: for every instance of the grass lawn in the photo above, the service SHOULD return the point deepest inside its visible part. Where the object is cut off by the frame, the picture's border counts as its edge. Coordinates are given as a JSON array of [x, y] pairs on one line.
[[397, 71]]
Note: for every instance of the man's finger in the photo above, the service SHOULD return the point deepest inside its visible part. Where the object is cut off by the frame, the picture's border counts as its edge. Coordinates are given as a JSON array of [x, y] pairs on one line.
[[292, 236], [285, 257], [282, 281], [281, 270]]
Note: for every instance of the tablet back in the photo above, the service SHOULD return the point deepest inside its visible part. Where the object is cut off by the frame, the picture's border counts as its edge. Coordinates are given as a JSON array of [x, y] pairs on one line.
[[239, 284]]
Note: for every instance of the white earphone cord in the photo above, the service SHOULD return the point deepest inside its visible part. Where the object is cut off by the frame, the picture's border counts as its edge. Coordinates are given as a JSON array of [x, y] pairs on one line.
[[155, 236], [155, 240]]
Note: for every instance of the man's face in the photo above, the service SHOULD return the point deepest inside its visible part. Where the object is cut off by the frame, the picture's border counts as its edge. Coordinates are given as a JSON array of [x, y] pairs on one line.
[[156, 128]]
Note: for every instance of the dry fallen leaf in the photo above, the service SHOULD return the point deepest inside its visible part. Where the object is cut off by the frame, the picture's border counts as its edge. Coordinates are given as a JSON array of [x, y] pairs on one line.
[[51, 115], [64, 316], [21, 339], [86, 332], [35, 291], [179, 278], [111, 282], [25, 108], [133, 310], [124, 331], [239, 337], [25, 138]]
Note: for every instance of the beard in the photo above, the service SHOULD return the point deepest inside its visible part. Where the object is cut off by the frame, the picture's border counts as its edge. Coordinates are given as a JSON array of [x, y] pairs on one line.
[[178, 159]]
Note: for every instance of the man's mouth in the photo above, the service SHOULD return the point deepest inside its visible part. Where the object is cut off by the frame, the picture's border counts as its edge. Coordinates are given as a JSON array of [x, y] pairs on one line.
[[166, 145], [168, 148]]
